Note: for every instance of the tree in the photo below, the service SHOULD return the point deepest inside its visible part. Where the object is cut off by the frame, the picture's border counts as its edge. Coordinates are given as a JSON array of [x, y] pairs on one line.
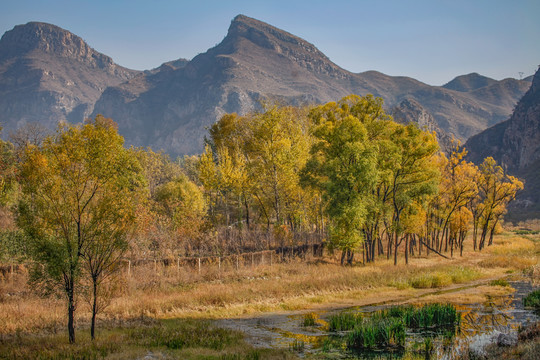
[[181, 202], [77, 205], [457, 188], [8, 171], [497, 189], [343, 164], [414, 175]]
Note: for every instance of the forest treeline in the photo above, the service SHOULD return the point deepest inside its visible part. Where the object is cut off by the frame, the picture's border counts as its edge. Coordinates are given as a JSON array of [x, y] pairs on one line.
[[76, 201]]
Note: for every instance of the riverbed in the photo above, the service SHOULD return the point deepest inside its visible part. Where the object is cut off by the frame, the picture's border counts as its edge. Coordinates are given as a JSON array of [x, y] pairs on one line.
[[481, 321]]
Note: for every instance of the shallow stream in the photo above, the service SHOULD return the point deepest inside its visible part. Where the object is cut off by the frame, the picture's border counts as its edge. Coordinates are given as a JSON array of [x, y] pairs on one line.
[[480, 322]]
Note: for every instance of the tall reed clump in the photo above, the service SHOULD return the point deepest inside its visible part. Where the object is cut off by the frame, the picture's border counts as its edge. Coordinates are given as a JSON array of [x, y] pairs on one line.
[[431, 315], [344, 321], [309, 320], [386, 328], [377, 332]]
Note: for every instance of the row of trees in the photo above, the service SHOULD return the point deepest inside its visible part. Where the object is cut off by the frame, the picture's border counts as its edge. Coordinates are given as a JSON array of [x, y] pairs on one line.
[[344, 171]]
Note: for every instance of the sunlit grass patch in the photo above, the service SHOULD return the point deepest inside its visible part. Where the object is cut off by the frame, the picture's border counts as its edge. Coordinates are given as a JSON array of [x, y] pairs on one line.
[[499, 282], [511, 245], [435, 280], [508, 261], [445, 277]]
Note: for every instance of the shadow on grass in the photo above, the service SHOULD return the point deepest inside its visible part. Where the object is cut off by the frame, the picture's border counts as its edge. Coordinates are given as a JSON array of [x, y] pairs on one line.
[[161, 339]]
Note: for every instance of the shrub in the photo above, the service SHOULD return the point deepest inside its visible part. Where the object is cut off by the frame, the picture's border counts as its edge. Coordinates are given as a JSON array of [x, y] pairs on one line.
[[532, 299]]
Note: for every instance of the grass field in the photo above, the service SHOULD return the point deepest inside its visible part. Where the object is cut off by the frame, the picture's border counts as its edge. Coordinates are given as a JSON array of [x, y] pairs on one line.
[[167, 312]]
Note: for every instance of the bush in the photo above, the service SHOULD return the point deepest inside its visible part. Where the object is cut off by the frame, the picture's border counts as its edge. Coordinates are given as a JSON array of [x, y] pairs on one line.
[[532, 300]]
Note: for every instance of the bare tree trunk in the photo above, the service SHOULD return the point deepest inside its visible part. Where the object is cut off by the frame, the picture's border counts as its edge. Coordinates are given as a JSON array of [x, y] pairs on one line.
[[247, 212], [94, 309], [407, 249], [395, 248], [71, 313], [492, 232]]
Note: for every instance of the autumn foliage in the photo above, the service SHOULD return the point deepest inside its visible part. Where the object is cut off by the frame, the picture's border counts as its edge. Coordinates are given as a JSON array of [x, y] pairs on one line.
[[342, 173]]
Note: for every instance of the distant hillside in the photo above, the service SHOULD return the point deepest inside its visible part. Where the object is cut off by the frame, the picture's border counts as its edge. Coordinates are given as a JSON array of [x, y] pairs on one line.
[[465, 83], [515, 144], [170, 109], [48, 75]]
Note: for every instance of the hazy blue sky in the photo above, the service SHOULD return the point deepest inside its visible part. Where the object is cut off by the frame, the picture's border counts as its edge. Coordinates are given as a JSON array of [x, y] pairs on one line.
[[432, 41]]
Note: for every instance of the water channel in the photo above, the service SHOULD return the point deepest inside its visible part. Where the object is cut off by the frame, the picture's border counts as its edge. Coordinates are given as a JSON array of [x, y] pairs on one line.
[[480, 324]]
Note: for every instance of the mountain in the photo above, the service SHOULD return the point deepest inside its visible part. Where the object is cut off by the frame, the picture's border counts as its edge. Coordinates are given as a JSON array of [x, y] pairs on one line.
[[465, 83], [170, 108], [515, 143], [49, 75], [410, 111]]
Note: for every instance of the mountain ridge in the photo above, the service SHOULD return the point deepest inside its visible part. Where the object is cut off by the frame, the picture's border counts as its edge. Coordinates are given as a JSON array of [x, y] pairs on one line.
[[169, 107], [515, 144], [257, 61], [49, 75]]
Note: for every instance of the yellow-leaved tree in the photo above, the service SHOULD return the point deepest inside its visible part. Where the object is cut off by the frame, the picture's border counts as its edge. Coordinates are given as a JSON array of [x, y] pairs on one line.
[[80, 190]]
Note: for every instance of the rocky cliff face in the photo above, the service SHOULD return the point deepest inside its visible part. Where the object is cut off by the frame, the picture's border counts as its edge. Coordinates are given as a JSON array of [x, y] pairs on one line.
[[410, 111], [49, 75], [170, 109], [515, 144]]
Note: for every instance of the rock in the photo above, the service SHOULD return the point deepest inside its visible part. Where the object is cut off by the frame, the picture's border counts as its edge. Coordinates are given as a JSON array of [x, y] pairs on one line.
[[509, 339]]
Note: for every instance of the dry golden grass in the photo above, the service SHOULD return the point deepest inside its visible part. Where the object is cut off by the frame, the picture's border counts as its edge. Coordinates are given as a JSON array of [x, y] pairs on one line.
[[512, 252], [171, 292]]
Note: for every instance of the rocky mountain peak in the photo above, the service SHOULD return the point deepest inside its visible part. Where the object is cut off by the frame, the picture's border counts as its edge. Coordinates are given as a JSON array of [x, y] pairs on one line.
[[49, 75], [25, 39], [268, 37]]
